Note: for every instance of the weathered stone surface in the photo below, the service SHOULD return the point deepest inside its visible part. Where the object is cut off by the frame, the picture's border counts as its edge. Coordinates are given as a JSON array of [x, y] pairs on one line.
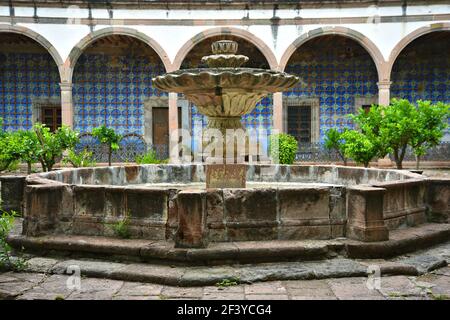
[[43, 206], [438, 198], [89, 200], [304, 203], [115, 202], [12, 193], [192, 230], [250, 204], [145, 203], [314, 232], [226, 175], [365, 214]]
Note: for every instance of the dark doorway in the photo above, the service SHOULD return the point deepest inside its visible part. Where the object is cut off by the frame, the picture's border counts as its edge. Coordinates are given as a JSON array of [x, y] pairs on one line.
[[51, 117], [299, 123]]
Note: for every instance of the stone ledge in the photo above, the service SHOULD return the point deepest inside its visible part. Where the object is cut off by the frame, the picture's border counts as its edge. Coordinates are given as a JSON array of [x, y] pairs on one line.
[[401, 241], [410, 265]]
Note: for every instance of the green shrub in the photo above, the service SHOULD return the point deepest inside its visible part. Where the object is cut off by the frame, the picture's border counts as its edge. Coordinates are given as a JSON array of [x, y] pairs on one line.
[[53, 144], [109, 137], [149, 158], [334, 141], [79, 160], [121, 228], [359, 147], [283, 148], [7, 262]]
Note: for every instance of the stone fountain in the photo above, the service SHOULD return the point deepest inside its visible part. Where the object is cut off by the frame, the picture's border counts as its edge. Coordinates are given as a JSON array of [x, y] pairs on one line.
[[225, 92]]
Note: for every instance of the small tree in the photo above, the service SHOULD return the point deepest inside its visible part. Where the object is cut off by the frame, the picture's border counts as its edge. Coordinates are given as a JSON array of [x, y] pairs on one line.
[[334, 141], [52, 145], [399, 126], [359, 147], [431, 126], [109, 137], [25, 147], [283, 147]]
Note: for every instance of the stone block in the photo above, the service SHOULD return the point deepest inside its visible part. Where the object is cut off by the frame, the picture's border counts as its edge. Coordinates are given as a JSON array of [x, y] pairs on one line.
[[133, 174], [250, 204], [304, 203], [300, 173], [226, 175], [115, 201], [192, 230], [254, 233], [42, 208], [305, 232], [365, 214], [143, 203], [89, 200], [438, 200]]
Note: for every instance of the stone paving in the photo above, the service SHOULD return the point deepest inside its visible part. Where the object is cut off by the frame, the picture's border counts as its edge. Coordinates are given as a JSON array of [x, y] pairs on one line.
[[431, 286]]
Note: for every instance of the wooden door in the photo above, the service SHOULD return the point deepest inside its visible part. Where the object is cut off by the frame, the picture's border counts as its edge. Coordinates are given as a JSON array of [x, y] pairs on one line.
[[160, 118], [299, 123], [51, 117]]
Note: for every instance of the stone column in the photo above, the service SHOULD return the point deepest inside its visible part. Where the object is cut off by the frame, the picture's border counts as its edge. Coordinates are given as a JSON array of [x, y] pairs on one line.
[[173, 122], [384, 92], [66, 104], [365, 214], [278, 111]]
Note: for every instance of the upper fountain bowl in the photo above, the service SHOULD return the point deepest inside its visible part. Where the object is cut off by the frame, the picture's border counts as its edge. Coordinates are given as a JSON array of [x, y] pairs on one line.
[[225, 89]]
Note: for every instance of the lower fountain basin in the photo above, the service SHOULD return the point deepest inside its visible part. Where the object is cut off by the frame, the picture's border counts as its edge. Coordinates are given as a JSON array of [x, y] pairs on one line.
[[170, 202]]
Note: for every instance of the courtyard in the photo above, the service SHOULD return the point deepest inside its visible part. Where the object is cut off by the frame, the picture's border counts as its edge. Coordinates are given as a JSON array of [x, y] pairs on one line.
[[202, 150]]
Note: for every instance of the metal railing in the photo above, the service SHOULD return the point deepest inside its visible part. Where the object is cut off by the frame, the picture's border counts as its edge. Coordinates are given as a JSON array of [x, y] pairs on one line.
[[133, 145]]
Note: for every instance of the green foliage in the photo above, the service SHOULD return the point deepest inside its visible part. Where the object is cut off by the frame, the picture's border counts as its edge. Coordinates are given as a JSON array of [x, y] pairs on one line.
[[79, 160], [24, 146], [149, 158], [234, 281], [391, 129], [53, 144], [334, 141], [283, 147], [432, 123], [359, 147], [7, 262], [109, 137], [121, 228]]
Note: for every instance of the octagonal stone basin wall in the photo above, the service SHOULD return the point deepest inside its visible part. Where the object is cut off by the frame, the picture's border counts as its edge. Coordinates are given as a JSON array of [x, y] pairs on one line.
[[281, 202]]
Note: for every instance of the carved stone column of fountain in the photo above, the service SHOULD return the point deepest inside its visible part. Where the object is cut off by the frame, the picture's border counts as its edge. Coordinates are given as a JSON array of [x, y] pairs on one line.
[[225, 92]]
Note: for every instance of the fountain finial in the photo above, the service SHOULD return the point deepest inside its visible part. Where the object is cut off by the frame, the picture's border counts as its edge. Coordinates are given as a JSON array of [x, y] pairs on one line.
[[224, 55], [224, 47]]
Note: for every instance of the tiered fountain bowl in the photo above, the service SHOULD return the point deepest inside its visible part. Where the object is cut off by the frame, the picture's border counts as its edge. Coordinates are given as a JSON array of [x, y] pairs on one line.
[[225, 92]]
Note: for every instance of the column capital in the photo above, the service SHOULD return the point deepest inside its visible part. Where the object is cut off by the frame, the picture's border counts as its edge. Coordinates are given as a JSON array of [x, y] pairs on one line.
[[384, 84], [66, 86]]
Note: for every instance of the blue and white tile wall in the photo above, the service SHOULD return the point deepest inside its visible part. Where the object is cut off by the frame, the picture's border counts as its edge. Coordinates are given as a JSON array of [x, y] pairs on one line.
[[336, 81], [422, 72], [111, 91], [24, 77]]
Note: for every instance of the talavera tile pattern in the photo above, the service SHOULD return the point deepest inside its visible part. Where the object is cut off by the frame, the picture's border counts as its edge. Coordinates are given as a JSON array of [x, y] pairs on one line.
[[24, 78]]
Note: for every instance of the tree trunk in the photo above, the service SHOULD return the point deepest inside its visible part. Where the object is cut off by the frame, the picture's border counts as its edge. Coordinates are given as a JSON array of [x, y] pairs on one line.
[[397, 160], [109, 155], [29, 167], [417, 162]]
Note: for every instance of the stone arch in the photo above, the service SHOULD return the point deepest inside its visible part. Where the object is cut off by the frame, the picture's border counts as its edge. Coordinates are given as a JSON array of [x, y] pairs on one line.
[[40, 40], [92, 37], [361, 39], [402, 44], [246, 35]]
